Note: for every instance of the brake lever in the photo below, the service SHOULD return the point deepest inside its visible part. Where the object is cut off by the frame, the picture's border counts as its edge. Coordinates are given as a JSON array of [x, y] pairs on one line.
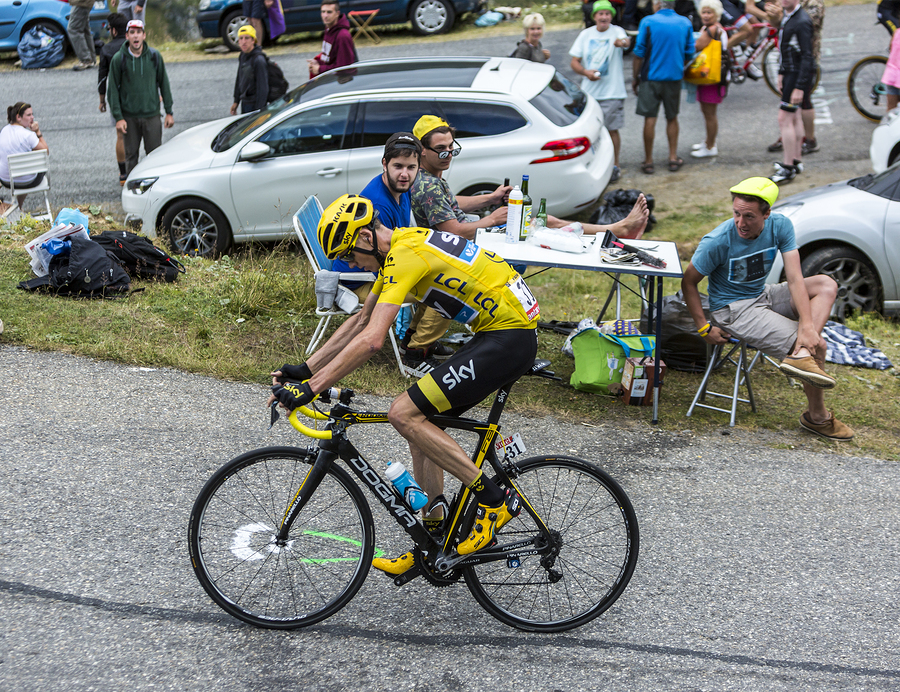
[[274, 416]]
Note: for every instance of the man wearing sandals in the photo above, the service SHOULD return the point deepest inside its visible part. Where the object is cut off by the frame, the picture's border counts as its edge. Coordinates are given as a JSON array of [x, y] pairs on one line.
[[665, 44], [783, 320], [463, 282]]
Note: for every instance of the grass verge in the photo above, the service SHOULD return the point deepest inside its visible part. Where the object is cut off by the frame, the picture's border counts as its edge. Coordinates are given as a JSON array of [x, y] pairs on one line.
[[248, 313]]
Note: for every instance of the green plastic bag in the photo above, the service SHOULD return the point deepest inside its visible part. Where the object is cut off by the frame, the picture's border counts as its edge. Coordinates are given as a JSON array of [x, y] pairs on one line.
[[600, 358]]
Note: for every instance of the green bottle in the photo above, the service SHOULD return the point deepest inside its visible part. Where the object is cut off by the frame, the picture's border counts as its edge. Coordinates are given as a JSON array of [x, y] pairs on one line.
[[526, 209], [542, 213]]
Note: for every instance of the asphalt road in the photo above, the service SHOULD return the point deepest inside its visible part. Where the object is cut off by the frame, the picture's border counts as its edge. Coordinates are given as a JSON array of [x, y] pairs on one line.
[[81, 139], [760, 568]]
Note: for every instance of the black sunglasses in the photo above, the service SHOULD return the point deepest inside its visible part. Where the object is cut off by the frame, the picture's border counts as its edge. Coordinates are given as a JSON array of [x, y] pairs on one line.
[[447, 153]]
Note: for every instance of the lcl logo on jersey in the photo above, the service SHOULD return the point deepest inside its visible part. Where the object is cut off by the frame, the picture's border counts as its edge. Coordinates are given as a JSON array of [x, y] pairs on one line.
[[454, 377]]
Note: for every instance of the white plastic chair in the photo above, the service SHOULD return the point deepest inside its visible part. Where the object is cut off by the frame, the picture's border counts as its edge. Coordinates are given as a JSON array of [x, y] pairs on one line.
[[306, 223], [30, 163]]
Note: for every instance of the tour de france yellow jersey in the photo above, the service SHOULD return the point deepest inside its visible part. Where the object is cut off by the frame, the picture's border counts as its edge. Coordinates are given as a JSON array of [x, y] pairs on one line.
[[457, 278]]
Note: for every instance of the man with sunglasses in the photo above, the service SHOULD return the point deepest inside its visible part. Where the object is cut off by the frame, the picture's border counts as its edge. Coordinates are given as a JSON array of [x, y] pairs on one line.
[[467, 284]]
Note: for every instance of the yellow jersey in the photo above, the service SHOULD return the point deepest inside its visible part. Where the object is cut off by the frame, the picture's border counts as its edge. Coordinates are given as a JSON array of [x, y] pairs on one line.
[[458, 279]]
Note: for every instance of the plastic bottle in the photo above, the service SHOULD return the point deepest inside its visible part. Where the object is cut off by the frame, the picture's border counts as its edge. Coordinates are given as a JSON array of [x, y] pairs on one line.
[[514, 217], [526, 209], [406, 485]]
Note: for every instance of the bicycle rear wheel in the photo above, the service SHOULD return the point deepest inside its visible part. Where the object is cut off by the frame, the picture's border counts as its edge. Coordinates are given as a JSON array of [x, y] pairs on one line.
[[771, 65], [232, 530], [597, 533], [867, 93]]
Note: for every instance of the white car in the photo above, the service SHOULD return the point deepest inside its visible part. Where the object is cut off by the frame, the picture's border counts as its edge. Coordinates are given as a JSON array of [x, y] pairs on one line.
[[850, 231], [885, 148], [241, 178]]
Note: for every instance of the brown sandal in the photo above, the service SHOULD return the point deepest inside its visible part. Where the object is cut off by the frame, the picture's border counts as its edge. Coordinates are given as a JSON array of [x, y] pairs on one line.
[[647, 168], [675, 164]]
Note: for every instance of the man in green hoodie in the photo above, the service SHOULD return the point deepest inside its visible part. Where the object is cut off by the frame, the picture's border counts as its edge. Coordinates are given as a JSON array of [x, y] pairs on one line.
[[137, 79]]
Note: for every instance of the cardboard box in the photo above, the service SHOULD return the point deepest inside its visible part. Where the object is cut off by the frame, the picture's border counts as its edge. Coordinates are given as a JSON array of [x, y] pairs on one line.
[[637, 381]]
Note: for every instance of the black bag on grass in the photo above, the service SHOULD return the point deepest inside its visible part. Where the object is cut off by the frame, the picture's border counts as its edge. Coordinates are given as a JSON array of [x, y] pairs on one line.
[[87, 271], [140, 257], [680, 345]]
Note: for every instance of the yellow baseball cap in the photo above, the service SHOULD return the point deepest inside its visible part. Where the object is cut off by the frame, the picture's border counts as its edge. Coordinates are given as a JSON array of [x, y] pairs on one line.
[[426, 124], [757, 187], [247, 30]]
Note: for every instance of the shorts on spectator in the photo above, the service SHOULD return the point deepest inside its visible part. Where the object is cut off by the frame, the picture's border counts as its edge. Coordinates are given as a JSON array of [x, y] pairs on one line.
[[768, 322], [788, 84], [892, 90], [613, 113], [255, 9], [651, 94], [24, 186]]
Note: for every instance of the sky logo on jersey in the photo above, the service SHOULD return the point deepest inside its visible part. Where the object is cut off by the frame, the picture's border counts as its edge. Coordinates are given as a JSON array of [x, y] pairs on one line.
[[455, 376], [453, 245]]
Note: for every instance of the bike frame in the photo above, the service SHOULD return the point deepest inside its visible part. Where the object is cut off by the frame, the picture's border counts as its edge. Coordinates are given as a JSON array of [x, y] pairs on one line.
[[334, 444], [771, 39]]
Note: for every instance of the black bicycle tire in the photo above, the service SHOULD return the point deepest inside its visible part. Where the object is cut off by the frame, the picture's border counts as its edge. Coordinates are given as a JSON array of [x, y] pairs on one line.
[[772, 79], [237, 510], [592, 515], [863, 108]]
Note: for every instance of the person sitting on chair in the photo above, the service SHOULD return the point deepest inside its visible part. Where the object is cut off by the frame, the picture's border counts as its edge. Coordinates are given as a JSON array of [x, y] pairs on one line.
[[21, 135], [783, 320]]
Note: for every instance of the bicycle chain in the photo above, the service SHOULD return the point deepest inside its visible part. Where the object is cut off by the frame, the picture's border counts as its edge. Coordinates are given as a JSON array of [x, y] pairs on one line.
[[435, 578]]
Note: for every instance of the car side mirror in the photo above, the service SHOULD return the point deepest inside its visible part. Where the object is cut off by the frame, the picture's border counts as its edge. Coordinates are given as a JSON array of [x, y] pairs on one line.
[[254, 151]]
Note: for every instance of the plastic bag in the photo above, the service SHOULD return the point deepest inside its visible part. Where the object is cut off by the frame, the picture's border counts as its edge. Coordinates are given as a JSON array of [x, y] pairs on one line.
[[40, 48], [565, 239]]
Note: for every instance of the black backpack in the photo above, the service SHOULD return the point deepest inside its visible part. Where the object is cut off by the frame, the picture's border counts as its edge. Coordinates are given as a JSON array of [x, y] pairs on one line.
[[140, 257], [88, 271], [278, 85]]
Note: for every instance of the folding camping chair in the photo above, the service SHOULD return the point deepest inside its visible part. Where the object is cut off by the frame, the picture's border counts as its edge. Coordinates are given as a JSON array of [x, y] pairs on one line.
[[29, 163]]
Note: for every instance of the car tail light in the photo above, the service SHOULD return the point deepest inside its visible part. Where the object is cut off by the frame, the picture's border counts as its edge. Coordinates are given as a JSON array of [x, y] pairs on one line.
[[563, 149]]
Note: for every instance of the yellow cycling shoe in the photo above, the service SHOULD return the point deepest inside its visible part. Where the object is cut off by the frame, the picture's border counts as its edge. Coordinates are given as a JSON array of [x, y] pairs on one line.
[[396, 566], [488, 520]]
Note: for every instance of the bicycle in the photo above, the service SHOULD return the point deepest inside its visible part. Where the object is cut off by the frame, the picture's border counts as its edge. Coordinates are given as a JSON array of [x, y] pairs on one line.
[[283, 537], [867, 94], [768, 48]]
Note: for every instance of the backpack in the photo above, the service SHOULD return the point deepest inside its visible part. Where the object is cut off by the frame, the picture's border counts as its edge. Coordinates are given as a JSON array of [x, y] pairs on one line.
[[87, 271], [278, 85], [140, 257]]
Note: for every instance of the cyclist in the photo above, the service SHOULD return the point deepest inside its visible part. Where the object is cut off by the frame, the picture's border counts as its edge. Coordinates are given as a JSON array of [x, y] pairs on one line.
[[461, 281]]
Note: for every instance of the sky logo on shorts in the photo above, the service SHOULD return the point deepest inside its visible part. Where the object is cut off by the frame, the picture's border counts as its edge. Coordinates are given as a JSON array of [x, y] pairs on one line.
[[454, 377]]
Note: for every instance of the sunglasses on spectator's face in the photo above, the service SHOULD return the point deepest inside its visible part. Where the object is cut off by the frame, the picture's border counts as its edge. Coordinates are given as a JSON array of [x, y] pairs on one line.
[[447, 153]]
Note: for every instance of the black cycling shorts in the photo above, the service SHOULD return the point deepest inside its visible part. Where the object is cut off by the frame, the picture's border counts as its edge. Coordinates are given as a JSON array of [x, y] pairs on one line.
[[489, 361], [788, 84]]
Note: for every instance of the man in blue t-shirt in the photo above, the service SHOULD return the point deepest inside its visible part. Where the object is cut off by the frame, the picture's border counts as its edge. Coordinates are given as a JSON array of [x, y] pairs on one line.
[[389, 193], [665, 44], [783, 320]]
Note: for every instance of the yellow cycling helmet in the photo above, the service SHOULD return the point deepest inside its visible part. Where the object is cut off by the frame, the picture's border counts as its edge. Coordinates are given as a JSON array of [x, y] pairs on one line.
[[340, 224]]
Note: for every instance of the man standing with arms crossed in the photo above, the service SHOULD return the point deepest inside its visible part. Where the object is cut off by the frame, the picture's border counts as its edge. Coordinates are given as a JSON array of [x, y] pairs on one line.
[[338, 49], [137, 78]]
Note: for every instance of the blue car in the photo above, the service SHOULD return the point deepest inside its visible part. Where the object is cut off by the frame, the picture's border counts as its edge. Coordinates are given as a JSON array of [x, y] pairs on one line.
[[18, 16], [224, 17]]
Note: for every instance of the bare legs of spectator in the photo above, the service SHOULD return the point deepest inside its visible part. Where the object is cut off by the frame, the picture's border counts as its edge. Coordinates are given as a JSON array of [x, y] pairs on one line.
[[791, 126], [630, 228], [617, 144], [822, 292], [710, 116], [257, 25], [672, 137]]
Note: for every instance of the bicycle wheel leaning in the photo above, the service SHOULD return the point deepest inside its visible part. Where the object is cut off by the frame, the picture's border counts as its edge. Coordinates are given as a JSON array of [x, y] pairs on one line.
[[867, 93], [595, 524], [771, 64], [235, 555]]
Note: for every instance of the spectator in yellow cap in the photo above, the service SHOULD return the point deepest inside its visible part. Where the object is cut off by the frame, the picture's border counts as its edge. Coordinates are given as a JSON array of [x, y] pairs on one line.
[[530, 47], [251, 86], [782, 320]]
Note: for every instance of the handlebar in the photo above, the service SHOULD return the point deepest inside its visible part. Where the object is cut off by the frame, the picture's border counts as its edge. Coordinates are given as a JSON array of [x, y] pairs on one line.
[[342, 395]]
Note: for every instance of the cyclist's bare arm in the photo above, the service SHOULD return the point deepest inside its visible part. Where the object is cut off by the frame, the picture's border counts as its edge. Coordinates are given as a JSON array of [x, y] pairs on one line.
[[357, 348], [352, 326]]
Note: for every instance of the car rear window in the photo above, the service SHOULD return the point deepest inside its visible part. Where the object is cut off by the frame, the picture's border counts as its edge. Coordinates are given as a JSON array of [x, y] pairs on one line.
[[561, 101], [474, 119]]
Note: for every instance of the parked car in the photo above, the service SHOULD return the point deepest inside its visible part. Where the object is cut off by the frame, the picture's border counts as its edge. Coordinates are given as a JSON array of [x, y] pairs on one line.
[[885, 149], [241, 178], [851, 232], [18, 16], [224, 17]]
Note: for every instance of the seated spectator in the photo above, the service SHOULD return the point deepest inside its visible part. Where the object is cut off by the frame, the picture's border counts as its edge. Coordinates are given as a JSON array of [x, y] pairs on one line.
[[709, 96], [21, 135], [783, 320], [530, 48], [251, 86]]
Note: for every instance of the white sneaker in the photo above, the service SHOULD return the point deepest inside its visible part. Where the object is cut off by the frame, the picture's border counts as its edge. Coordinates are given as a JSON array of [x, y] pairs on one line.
[[703, 152], [754, 73], [694, 147], [783, 174]]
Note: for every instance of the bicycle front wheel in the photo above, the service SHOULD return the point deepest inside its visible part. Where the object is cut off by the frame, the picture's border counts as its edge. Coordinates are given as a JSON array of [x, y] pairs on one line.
[[867, 93], [596, 530], [288, 584]]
